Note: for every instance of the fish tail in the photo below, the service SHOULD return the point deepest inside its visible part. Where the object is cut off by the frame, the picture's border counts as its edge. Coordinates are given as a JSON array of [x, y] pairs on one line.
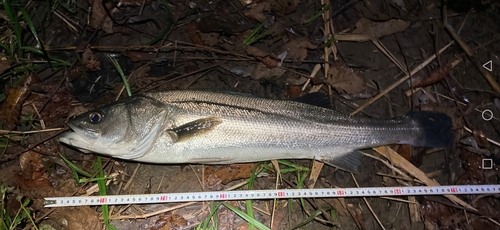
[[435, 129]]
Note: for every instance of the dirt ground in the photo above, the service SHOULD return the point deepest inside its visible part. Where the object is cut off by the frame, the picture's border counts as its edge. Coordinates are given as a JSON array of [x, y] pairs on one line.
[[280, 49]]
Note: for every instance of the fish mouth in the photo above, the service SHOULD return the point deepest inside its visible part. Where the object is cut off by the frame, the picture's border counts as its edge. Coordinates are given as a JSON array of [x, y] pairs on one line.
[[74, 137]]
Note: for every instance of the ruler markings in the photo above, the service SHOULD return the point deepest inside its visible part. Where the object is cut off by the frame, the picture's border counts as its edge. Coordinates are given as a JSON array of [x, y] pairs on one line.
[[269, 194]]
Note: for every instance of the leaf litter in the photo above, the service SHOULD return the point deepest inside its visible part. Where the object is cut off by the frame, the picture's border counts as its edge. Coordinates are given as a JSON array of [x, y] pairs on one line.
[[211, 33]]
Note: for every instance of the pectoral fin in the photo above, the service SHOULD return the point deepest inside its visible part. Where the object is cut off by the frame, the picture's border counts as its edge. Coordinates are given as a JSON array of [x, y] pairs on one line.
[[193, 128], [348, 161]]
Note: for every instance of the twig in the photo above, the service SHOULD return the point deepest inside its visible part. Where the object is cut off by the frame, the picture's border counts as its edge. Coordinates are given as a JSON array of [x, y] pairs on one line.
[[5, 132], [395, 84], [368, 204], [489, 140], [400, 200], [401, 162], [469, 53], [179, 77], [132, 177]]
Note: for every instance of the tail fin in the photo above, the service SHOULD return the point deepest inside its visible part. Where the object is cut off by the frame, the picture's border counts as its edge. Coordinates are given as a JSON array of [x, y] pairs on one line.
[[436, 129]]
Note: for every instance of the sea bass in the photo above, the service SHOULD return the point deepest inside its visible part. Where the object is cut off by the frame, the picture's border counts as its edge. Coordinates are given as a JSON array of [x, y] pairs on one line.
[[222, 128]]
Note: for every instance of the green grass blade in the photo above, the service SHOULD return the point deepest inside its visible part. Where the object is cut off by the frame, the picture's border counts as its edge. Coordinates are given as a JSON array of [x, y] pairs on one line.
[[74, 167], [251, 37], [170, 24], [58, 62], [102, 191], [15, 24], [246, 217], [27, 18], [317, 15], [313, 215], [213, 213], [122, 75]]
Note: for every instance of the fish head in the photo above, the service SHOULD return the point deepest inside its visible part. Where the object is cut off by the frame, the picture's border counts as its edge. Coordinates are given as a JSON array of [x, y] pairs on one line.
[[125, 129]]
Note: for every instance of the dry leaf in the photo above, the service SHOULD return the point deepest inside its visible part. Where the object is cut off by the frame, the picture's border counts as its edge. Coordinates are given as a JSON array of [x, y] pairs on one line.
[[286, 6], [257, 10], [90, 61], [4, 65], [269, 62], [343, 79], [263, 56], [405, 151], [262, 72], [210, 39], [297, 49], [33, 171], [435, 76], [379, 29], [194, 33], [169, 221], [481, 138], [97, 16], [77, 218], [137, 56], [216, 175], [294, 91], [15, 97], [256, 52]]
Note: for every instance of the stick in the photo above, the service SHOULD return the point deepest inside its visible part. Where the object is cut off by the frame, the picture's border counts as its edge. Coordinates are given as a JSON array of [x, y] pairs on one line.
[[417, 173], [395, 84]]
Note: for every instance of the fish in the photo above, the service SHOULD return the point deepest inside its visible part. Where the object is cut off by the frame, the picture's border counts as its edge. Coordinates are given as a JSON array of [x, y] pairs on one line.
[[207, 127]]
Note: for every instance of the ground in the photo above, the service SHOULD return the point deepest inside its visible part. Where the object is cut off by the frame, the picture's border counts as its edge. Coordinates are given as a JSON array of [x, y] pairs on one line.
[[60, 59]]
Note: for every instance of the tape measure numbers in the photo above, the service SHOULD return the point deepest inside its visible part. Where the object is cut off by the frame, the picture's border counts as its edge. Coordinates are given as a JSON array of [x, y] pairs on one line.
[[269, 194]]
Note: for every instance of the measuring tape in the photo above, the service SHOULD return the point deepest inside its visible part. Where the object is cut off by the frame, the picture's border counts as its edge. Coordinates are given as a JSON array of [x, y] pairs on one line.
[[269, 194]]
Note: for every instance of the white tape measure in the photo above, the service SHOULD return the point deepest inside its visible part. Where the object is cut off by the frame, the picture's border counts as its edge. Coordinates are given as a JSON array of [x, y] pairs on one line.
[[269, 194]]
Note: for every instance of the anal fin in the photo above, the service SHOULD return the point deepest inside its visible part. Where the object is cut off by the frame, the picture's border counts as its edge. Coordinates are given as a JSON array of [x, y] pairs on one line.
[[347, 161]]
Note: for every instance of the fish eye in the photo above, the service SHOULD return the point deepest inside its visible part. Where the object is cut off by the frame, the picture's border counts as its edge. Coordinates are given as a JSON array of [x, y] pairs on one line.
[[95, 117]]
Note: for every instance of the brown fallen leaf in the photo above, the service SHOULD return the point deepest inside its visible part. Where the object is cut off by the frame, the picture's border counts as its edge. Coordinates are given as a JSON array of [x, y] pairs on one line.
[[297, 49], [194, 33], [217, 175], [405, 151], [268, 59], [210, 39], [76, 218], [263, 72], [10, 109], [434, 212], [4, 65], [343, 79], [257, 10], [99, 18], [481, 138], [379, 29], [435, 76], [90, 61], [169, 221], [286, 6], [137, 56], [33, 171], [256, 52], [294, 91]]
